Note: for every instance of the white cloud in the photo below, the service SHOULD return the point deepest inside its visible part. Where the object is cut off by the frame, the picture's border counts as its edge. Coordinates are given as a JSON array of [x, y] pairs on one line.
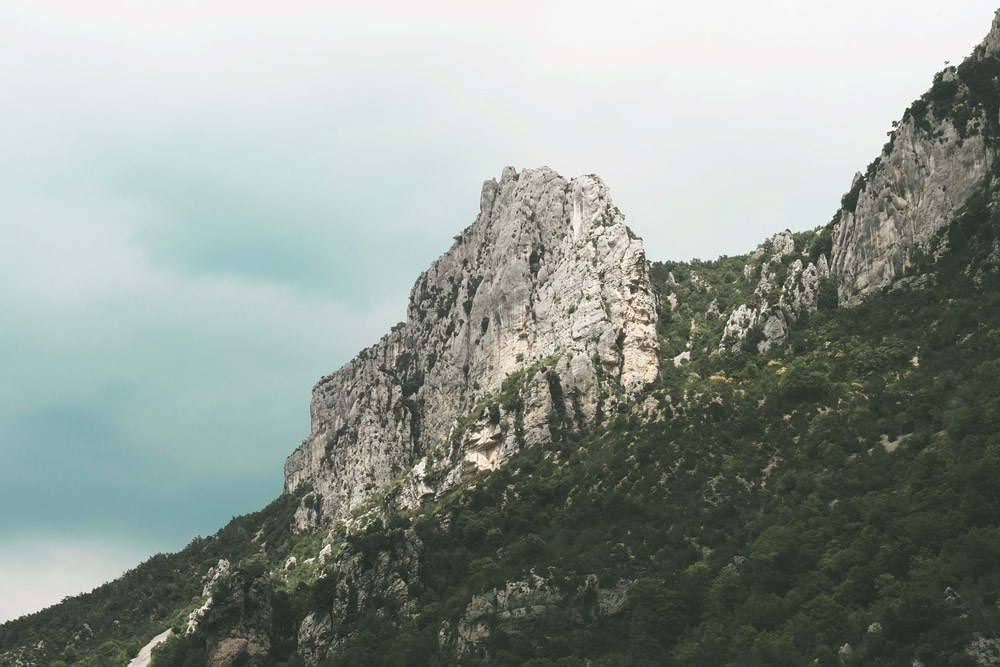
[[68, 253]]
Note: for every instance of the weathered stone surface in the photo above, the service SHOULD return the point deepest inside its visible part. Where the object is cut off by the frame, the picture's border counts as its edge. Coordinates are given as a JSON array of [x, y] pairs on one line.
[[237, 623], [221, 570], [548, 268], [801, 288], [918, 186], [985, 651], [991, 44], [521, 603], [315, 635], [775, 306], [739, 324], [361, 581], [923, 177]]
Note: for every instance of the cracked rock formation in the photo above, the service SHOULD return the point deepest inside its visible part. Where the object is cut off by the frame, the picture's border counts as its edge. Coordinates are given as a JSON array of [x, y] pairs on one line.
[[936, 159], [521, 604], [237, 623], [776, 304], [548, 278], [916, 189]]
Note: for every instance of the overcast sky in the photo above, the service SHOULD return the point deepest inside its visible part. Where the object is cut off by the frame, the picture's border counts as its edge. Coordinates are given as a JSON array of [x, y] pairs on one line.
[[205, 206]]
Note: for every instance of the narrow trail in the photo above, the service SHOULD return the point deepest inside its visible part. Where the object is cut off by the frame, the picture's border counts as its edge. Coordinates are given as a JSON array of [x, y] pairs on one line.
[[146, 652]]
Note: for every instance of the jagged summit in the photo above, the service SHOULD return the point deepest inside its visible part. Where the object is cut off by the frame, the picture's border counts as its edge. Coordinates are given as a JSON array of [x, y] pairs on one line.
[[991, 43], [939, 155], [547, 278], [940, 160]]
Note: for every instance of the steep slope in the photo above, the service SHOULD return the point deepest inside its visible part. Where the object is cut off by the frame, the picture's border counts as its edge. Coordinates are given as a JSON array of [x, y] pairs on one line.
[[939, 155], [547, 268], [833, 505], [831, 502]]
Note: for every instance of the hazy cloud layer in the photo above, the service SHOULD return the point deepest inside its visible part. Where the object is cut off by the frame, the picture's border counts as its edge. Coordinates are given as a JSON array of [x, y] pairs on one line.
[[207, 206]]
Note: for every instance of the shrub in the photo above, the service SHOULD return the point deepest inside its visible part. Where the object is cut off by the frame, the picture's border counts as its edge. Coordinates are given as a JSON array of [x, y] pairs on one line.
[[826, 296], [801, 382]]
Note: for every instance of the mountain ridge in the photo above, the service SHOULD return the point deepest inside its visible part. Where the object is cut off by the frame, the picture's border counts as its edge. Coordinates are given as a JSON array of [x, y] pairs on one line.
[[690, 461], [548, 268]]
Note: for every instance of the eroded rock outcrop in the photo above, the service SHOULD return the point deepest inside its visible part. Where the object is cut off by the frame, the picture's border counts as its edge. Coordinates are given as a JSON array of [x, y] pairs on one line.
[[937, 158], [787, 287], [519, 604], [547, 282], [920, 183], [237, 623], [360, 582]]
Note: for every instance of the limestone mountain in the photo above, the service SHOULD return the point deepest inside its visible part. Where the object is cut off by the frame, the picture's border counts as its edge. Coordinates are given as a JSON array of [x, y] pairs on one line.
[[939, 155], [567, 455], [548, 271]]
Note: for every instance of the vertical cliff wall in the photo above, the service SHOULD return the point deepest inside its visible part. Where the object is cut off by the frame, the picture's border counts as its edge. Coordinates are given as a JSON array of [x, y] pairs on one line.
[[548, 284], [940, 157], [940, 154]]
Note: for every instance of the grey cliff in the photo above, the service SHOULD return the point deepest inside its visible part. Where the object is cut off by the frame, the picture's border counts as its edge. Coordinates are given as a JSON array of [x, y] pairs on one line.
[[548, 278], [936, 159]]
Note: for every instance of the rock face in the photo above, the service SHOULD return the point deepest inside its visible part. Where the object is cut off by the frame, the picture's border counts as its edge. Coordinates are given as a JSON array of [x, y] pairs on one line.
[[237, 624], [520, 604], [357, 585], [549, 282], [787, 287], [936, 159], [920, 183]]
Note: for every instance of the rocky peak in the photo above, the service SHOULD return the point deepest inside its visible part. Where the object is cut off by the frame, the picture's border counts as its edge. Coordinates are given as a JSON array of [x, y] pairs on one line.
[[991, 44], [545, 297], [938, 156]]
